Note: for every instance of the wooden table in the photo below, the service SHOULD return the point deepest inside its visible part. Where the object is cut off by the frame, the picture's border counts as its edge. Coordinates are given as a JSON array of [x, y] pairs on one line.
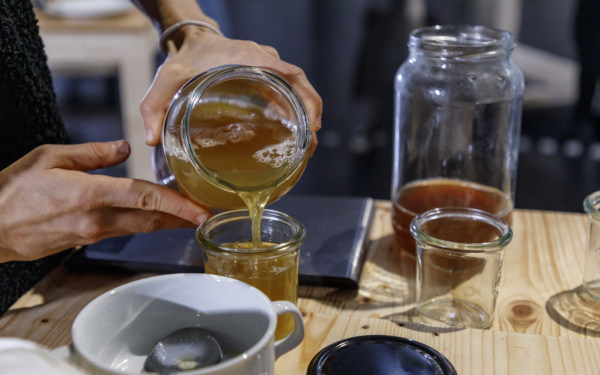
[[544, 323], [125, 45]]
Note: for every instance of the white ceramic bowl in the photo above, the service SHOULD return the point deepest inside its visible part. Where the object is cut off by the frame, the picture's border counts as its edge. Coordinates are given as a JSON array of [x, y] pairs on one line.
[[115, 332]]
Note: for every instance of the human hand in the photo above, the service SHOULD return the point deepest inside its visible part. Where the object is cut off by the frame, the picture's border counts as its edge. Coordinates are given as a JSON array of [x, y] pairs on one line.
[[202, 50], [50, 204]]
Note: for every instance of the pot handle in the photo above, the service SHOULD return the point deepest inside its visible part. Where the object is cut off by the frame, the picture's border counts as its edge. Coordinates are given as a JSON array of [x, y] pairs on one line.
[[295, 338]]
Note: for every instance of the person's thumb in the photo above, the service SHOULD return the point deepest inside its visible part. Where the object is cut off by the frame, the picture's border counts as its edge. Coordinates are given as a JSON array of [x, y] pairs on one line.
[[91, 156], [156, 102]]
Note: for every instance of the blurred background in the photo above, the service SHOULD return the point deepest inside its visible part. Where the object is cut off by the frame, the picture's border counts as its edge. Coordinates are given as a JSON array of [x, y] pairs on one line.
[[350, 51]]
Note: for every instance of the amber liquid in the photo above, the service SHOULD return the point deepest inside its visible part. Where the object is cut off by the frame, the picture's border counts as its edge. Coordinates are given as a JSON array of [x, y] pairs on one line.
[[420, 196], [277, 277], [249, 152]]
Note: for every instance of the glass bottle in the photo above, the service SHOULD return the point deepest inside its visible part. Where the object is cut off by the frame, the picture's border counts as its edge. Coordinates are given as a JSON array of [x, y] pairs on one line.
[[458, 106], [234, 137]]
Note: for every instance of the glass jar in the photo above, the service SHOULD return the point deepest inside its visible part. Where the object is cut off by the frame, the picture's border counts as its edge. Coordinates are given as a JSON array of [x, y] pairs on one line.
[[459, 265], [591, 269], [458, 106], [234, 131], [271, 265]]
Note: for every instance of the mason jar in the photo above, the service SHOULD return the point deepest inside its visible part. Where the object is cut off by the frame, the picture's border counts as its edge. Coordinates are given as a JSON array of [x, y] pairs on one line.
[[459, 265], [458, 106], [234, 131], [270, 264]]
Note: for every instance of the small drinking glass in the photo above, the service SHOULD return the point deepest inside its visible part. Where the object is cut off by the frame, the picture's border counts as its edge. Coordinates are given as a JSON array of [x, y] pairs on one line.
[[459, 264], [270, 265], [591, 273]]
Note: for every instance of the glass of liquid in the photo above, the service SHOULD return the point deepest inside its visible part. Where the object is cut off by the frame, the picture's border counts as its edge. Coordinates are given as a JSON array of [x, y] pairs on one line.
[[459, 264], [234, 137], [268, 262]]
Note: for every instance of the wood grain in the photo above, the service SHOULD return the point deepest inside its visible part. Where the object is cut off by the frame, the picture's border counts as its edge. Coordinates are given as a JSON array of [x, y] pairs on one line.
[[46, 314], [471, 351], [544, 324], [540, 289], [133, 20]]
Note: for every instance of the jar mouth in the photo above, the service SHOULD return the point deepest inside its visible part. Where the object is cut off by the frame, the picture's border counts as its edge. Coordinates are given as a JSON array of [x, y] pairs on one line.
[[461, 41], [271, 81], [502, 229], [216, 223]]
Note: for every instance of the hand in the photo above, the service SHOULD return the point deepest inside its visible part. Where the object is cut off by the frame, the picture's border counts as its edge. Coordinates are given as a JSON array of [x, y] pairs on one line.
[[202, 50], [50, 204]]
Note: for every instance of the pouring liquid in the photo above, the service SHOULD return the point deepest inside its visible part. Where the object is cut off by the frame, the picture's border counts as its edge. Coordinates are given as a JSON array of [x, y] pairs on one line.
[[246, 149], [251, 152]]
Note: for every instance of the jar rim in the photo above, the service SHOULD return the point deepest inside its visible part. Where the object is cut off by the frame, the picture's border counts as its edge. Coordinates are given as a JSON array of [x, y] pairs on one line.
[[504, 230], [224, 73], [461, 41], [298, 237]]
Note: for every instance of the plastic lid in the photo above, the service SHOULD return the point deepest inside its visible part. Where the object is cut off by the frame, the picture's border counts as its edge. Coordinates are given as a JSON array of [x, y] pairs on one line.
[[379, 355]]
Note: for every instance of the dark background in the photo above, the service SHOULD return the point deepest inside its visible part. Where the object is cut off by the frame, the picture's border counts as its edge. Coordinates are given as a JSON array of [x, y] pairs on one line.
[[350, 51]]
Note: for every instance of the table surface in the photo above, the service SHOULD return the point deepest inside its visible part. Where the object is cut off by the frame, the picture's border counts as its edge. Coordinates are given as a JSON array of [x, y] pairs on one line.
[[543, 317], [133, 20]]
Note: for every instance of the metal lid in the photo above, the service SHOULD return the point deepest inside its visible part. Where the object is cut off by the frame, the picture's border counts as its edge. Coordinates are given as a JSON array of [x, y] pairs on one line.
[[379, 355]]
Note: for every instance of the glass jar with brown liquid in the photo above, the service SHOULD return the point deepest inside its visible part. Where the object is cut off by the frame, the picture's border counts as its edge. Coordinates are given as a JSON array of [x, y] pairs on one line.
[[234, 137], [458, 104]]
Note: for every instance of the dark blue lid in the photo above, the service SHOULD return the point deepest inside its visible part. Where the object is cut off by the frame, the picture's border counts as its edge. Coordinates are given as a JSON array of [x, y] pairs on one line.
[[379, 355]]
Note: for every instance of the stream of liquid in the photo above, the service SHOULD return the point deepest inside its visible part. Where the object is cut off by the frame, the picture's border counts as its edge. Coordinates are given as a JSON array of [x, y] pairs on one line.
[[251, 152]]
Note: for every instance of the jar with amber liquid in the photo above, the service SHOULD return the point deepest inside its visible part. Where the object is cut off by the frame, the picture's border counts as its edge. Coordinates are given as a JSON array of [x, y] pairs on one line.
[[458, 106], [234, 137], [269, 263]]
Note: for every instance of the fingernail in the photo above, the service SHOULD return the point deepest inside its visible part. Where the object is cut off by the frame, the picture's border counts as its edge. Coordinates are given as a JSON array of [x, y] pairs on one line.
[[201, 219], [318, 123], [149, 135], [122, 146]]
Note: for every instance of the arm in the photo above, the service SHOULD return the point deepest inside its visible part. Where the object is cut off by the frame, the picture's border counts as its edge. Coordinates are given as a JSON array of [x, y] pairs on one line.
[[197, 49], [166, 13]]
